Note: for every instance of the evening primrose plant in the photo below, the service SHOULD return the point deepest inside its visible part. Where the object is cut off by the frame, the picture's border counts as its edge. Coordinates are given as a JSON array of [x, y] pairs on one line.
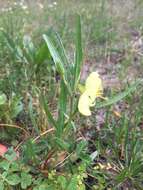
[[69, 102], [69, 74], [69, 81]]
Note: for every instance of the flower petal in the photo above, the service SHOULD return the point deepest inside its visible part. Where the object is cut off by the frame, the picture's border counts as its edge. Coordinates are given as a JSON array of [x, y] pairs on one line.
[[93, 89], [94, 85], [84, 105]]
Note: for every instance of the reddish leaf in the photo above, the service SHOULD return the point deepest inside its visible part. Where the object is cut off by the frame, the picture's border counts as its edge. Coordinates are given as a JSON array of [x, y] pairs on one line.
[[3, 150]]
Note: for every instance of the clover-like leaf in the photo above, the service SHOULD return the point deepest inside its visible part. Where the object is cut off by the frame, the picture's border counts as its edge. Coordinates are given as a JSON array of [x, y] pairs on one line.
[[26, 180], [13, 179]]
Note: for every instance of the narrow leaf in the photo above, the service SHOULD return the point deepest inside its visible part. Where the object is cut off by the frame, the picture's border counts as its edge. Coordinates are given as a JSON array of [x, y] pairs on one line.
[[120, 96], [62, 107], [47, 111], [58, 59], [78, 55]]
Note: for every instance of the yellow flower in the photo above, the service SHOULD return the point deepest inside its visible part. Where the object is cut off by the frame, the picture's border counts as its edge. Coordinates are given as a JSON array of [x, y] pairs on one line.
[[93, 89]]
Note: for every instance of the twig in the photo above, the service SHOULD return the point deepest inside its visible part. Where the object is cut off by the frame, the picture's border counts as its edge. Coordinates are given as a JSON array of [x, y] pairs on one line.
[[42, 134], [61, 162], [13, 126]]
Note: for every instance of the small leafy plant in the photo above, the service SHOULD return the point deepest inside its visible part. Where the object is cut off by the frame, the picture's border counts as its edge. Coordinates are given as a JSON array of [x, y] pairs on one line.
[[13, 172]]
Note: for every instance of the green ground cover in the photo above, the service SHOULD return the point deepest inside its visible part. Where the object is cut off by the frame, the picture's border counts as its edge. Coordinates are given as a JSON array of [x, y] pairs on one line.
[[47, 51]]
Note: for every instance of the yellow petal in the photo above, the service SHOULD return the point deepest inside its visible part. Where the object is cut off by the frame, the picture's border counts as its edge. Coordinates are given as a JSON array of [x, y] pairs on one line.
[[91, 99], [94, 85], [93, 89], [84, 105]]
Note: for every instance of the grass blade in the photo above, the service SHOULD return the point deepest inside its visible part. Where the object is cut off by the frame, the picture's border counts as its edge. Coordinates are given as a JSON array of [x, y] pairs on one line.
[[47, 111], [62, 107], [120, 96], [78, 55], [59, 63]]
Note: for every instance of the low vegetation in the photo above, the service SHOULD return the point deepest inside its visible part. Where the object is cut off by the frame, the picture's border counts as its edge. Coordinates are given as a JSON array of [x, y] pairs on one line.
[[71, 96]]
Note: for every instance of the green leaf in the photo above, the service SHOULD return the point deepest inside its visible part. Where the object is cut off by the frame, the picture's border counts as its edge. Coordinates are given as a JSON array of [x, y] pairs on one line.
[[46, 187], [16, 106], [2, 99], [26, 180], [42, 54], [62, 107], [58, 59], [55, 55], [29, 48], [47, 111], [14, 49], [32, 115], [43, 187], [120, 96], [62, 182], [1, 185], [9, 41], [4, 174], [36, 188], [80, 147], [10, 155], [62, 144], [5, 164], [28, 44], [73, 183], [29, 151], [59, 47], [78, 55], [15, 166], [13, 179]]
